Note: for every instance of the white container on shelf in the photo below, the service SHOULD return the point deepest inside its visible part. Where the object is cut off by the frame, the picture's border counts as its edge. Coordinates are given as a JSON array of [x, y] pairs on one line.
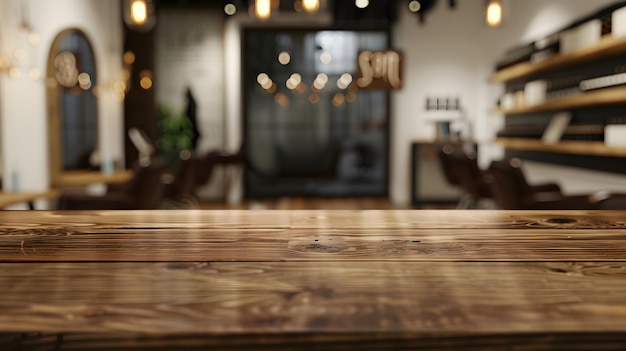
[[618, 22], [535, 92], [615, 135], [584, 35]]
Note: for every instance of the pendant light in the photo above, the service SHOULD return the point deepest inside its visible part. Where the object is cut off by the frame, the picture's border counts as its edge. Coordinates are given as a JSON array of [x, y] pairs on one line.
[[311, 6], [139, 15], [262, 9], [493, 13]]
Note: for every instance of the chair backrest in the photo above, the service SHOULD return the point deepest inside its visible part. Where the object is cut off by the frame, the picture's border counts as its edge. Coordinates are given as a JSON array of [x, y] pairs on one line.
[[204, 166], [470, 176], [147, 186], [142, 143], [184, 182], [605, 200], [446, 160], [508, 184]]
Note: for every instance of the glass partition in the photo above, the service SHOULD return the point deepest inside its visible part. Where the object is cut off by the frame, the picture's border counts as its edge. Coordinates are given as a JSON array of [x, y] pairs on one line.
[[308, 130]]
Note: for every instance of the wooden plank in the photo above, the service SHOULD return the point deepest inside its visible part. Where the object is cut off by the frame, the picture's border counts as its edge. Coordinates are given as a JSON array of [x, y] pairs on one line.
[[606, 47], [331, 280], [252, 245], [458, 219], [311, 219], [426, 298], [603, 97], [593, 148], [312, 236]]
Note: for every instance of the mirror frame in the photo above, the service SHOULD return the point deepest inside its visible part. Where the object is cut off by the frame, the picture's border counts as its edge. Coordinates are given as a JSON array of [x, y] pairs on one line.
[[53, 92]]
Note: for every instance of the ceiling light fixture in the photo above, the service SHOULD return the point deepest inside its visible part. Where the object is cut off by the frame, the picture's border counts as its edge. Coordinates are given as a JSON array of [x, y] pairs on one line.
[[493, 13], [361, 3], [139, 15], [311, 6], [20, 59], [422, 7], [230, 9], [414, 6], [262, 9]]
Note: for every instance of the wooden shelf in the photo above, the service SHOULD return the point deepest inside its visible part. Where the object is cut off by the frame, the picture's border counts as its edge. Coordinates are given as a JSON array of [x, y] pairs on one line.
[[606, 47], [609, 96], [591, 148]]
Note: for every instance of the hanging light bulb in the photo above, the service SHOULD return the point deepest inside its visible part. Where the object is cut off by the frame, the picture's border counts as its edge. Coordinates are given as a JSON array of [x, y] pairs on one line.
[[263, 9], [139, 12], [139, 15], [311, 5], [493, 14]]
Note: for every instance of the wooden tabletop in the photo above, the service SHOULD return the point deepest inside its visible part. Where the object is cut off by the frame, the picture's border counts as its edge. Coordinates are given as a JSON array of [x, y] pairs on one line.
[[331, 280]]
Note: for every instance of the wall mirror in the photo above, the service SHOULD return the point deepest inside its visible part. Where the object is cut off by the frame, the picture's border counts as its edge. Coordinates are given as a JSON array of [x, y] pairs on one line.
[[72, 104]]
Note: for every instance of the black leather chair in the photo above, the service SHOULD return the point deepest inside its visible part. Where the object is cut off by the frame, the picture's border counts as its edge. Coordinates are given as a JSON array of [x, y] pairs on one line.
[[511, 191]]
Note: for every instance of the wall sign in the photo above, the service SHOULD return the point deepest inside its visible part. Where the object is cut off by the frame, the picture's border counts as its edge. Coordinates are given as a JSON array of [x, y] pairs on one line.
[[66, 69], [379, 70]]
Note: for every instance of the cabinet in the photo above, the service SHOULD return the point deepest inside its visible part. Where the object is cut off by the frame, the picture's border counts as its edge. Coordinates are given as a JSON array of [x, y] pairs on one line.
[[588, 83]]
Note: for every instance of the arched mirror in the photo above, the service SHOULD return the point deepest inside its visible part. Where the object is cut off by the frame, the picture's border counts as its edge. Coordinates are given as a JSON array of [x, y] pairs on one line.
[[72, 104]]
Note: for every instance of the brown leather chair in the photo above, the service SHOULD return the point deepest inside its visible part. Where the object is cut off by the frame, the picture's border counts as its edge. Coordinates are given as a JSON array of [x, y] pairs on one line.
[[605, 200], [511, 191], [143, 192], [461, 170], [446, 160], [181, 183], [204, 166], [471, 177]]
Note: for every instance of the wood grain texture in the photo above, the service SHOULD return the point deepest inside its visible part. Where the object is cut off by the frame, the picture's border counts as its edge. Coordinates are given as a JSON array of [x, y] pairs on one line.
[[313, 236], [252, 245], [429, 298], [314, 219], [315, 280]]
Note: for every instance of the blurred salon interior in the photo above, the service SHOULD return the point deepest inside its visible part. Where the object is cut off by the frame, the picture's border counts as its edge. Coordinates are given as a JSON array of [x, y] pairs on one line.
[[312, 104]]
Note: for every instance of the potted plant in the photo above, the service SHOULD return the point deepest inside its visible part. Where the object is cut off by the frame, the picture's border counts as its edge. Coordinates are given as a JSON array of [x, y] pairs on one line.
[[176, 134]]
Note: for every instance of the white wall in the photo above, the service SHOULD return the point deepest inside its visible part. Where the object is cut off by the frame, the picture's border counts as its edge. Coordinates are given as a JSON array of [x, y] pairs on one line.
[[23, 111], [453, 54], [189, 53]]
